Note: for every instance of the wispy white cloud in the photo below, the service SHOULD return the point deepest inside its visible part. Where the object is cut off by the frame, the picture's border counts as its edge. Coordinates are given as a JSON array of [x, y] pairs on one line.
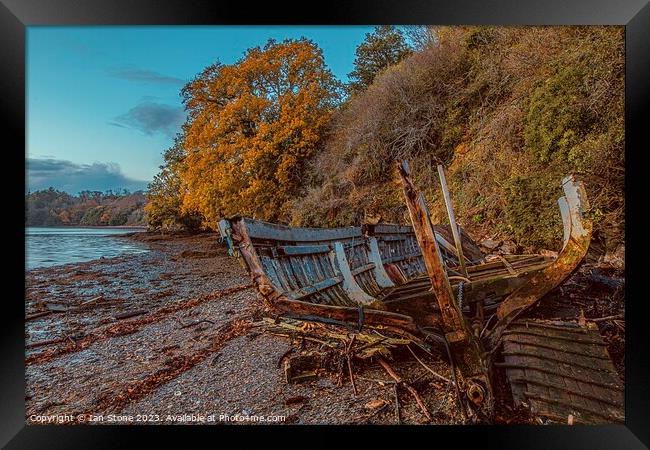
[[144, 76]]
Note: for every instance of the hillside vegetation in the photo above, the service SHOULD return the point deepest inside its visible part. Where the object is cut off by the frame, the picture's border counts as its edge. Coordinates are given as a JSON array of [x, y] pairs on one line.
[[51, 207], [509, 111]]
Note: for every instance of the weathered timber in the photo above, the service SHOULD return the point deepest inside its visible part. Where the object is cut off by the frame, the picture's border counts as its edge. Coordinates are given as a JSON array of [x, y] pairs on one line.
[[398, 380], [350, 286], [43, 343], [349, 361], [129, 314], [264, 285], [452, 220], [302, 249], [322, 271], [316, 287], [405, 279], [545, 280], [451, 314], [562, 375], [383, 280], [466, 348], [257, 229], [347, 314], [37, 315]]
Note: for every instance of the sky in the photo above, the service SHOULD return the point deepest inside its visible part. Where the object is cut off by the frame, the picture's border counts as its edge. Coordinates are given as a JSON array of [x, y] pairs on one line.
[[103, 102]]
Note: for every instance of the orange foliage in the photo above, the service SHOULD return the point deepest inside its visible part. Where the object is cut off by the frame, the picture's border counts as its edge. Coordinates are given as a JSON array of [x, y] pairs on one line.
[[252, 126]]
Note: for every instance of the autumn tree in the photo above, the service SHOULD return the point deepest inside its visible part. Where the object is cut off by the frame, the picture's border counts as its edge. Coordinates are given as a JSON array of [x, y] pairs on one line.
[[164, 201], [382, 48], [252, 127]]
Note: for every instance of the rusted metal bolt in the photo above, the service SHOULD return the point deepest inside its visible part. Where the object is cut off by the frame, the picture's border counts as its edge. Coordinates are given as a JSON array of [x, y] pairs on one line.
[[475, 393]]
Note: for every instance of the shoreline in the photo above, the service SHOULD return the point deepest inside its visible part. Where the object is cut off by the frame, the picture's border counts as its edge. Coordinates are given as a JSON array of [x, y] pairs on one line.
[[141, 236], [138, 227], [171, 330]]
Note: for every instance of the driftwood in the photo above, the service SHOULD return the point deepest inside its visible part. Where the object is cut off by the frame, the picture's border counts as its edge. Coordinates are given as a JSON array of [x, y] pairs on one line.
[[129, 314], [56, 307], [398, 380], [303, 367], [196, 322], [606, 318], [43, 343], [395, 390], [373, 343], [92, 300], [429, 369], [37, 315], [349, 359]]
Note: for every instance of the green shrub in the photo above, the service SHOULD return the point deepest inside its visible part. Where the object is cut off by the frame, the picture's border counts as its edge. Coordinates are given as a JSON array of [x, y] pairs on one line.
[[555, 123], [532, 213]]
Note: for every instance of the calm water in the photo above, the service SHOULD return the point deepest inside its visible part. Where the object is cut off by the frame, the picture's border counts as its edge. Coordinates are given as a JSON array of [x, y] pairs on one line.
[[54, 246]]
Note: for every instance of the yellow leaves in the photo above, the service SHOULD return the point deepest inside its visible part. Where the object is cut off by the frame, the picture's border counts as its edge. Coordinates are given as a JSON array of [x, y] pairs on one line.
[[252, 126]]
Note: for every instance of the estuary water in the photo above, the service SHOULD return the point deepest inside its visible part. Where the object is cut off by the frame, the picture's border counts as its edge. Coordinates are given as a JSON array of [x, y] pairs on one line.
[[53, 246]]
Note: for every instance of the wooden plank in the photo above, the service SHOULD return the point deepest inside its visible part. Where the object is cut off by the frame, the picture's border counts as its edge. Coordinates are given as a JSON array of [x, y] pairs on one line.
[[446, 245], [349, 284], [591, 351], [349, 314], [362, 269], [391, 228], [394, 237], [295, 250], [451, 315], [452, 220], [316, 287], [587, 339], [381, 277], [258, 229], [552, 370], [396, 258], [607, 418], [129, 314]]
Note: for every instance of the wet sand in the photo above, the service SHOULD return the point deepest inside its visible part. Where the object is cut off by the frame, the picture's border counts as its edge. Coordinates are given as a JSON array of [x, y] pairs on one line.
[[167, 336]]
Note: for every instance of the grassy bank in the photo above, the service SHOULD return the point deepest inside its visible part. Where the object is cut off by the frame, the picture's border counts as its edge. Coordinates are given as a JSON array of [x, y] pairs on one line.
[[508, 111]]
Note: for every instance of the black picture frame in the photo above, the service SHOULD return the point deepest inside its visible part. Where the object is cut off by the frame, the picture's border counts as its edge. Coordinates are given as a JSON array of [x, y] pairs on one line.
[[16, 15]]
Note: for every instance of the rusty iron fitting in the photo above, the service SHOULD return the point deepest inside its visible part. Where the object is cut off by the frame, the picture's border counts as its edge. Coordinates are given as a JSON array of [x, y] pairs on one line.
[[475, 392]]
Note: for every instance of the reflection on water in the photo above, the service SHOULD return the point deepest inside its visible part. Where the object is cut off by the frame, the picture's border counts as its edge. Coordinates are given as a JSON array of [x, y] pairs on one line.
[[54, 246]]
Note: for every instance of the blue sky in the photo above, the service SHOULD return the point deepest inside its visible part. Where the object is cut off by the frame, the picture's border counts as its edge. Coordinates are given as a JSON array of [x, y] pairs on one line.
[[103, 102]]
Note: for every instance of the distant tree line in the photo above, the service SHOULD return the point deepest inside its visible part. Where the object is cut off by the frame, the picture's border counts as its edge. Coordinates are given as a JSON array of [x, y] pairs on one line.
[[51, 207]]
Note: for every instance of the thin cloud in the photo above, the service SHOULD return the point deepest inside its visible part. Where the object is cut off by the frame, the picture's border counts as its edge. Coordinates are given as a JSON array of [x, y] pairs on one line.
[[43, 173], [144, 76], [151, 117]]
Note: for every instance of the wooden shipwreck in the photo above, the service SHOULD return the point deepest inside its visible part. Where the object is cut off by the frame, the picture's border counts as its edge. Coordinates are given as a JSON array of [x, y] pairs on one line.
[[432, 284]]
